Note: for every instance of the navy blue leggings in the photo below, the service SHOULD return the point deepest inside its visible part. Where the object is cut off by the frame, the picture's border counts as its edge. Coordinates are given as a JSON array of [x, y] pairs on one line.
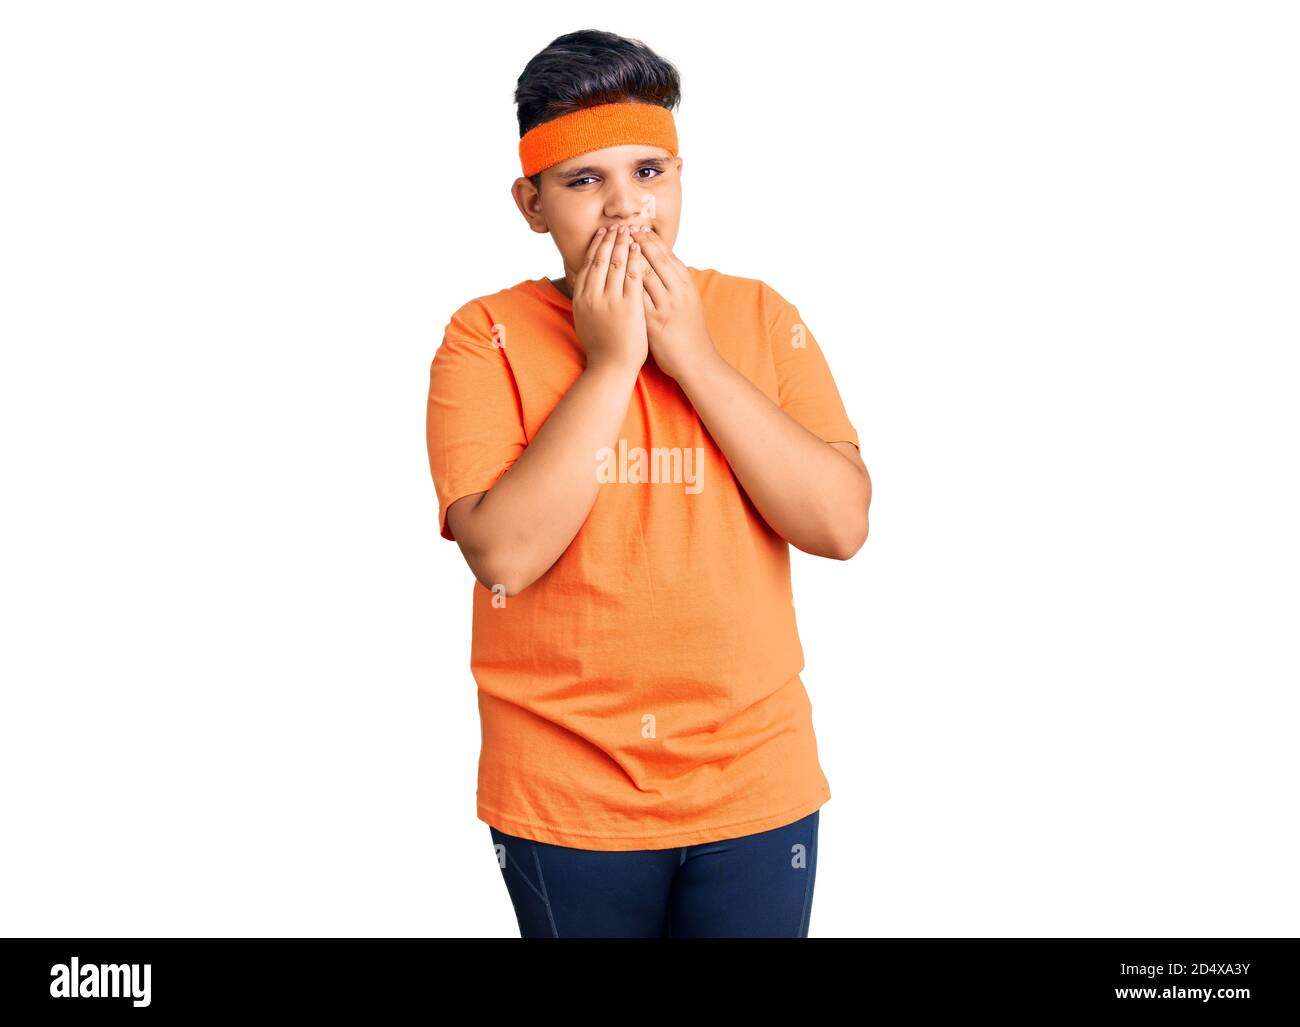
[[755, 886]]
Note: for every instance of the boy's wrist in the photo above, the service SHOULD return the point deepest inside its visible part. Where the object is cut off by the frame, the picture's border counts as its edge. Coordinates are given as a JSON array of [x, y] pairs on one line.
[[708, 365], [614, 369]]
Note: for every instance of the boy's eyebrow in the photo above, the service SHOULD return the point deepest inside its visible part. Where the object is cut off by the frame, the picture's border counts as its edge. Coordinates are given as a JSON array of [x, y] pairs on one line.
[[592, 169]]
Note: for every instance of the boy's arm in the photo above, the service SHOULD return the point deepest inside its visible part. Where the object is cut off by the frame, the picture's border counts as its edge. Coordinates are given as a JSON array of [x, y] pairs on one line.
[[814, 494], [513, 533], [514, 505]]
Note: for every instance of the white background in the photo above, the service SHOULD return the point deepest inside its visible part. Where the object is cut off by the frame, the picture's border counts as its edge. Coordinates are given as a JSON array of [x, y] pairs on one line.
[[1050, 251]]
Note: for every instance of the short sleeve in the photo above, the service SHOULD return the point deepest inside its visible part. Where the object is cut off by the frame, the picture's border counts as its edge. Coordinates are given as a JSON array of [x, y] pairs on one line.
[[474, 427], [807, 390]]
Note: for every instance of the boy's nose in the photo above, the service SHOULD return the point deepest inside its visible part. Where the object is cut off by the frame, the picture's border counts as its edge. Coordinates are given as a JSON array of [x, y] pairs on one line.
[[627, 210]]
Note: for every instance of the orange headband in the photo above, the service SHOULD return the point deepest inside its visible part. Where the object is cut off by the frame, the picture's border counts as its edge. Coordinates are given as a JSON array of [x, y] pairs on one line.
[[594, 128]]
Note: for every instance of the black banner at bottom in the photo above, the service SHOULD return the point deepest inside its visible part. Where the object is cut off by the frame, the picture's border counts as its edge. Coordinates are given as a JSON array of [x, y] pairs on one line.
[[94, 979]]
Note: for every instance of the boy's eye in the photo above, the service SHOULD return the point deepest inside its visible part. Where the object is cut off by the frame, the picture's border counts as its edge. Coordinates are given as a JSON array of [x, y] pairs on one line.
[[588, 178]]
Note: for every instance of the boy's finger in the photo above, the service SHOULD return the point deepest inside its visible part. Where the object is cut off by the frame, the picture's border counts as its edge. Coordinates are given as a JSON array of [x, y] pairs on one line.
[[596, 279], [618, 263], [651, 281], [581, 277], [683, 274], [600, 264], [636, 265], [673, 259], [659, 257]]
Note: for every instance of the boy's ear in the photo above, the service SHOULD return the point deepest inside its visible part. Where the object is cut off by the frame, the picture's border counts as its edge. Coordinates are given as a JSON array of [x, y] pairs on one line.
[[529, 202]]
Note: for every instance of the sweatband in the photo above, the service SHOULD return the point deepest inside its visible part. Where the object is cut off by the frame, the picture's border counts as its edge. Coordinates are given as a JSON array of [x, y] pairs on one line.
[[594, 128]]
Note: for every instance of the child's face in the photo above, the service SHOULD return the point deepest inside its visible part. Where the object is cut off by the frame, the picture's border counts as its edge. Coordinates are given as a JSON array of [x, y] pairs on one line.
[[629, 185]]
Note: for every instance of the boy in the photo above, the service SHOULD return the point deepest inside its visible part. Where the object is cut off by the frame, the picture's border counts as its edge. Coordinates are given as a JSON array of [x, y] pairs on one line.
[[624, 456]]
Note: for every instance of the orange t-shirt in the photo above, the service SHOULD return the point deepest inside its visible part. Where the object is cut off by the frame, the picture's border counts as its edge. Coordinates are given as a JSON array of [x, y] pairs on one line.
[[644, 692]]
